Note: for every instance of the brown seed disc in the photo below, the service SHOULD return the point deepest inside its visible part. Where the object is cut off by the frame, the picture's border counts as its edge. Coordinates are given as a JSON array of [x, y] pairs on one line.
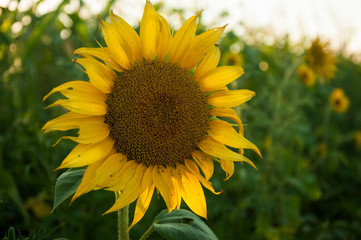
[[156, 113]]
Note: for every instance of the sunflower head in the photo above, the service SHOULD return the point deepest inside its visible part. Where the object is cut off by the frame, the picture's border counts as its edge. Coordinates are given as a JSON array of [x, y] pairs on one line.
[[306, 75], [147, 117], [339, 101], [322, 149], [232, 59], [358, 139], [321, 60]]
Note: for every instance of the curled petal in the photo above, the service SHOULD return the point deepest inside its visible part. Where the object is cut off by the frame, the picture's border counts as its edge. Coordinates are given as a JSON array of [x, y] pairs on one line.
[[228, 167]]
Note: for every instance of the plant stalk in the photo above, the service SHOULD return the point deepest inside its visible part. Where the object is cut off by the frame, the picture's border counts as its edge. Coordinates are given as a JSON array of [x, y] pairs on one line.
[[123, 221], [148, 232]]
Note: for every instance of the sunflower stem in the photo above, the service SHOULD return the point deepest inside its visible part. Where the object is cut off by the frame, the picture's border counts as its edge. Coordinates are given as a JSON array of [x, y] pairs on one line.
[[148, 232], [123, 220]]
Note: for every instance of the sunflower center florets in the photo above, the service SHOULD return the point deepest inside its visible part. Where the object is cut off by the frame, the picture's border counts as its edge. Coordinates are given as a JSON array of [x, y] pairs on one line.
[[156, 113]]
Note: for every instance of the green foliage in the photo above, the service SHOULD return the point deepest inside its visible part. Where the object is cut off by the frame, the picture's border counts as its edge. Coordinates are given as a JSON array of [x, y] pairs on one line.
[[307, 183], [181, 225], [66, 185]]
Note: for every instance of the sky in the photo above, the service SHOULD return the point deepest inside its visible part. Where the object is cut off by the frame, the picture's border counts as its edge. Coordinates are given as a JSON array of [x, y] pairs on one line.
[[333, 20]]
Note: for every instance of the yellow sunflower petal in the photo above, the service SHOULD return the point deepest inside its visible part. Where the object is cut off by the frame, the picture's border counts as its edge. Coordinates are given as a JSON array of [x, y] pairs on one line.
[[86, 181], [200, 46], [230, 98], [130, 38], [95, 109], [178, 195], [192, 191], [85, 154], [220, 77], [228, 168], [205, 162], [164, 183], [66, 122], [101, 53], [223, 132], [121, 178], [115, 45], [146, 190], [216, 149], [91, 130], [193, 168], [107, 170], [130, 193], [149, 28], [182, 40], [163, 39], [78, 90], [228, 113], [209, 62], [101, 76], [98, 172]]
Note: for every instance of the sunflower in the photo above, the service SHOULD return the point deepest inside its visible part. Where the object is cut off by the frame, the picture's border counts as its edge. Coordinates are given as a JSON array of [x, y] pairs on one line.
[[339, 101], [358, 139], [321, 60], [147, 118], [234, 59], [306, 75]]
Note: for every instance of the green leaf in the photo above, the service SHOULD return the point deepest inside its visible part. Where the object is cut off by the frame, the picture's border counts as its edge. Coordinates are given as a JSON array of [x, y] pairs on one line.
[[66, 185], [11, 233], [182, 225]]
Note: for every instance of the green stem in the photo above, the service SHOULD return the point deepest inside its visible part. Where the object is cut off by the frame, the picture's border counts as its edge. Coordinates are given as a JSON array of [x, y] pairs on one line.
[[148, 232], [123, 221]]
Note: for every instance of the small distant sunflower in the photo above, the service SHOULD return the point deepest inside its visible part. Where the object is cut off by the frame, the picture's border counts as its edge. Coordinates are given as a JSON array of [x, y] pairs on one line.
[[147, 118], [322, 149], [234, 59], [306, 75], [339, 101], [321, 60], [358, 139]]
